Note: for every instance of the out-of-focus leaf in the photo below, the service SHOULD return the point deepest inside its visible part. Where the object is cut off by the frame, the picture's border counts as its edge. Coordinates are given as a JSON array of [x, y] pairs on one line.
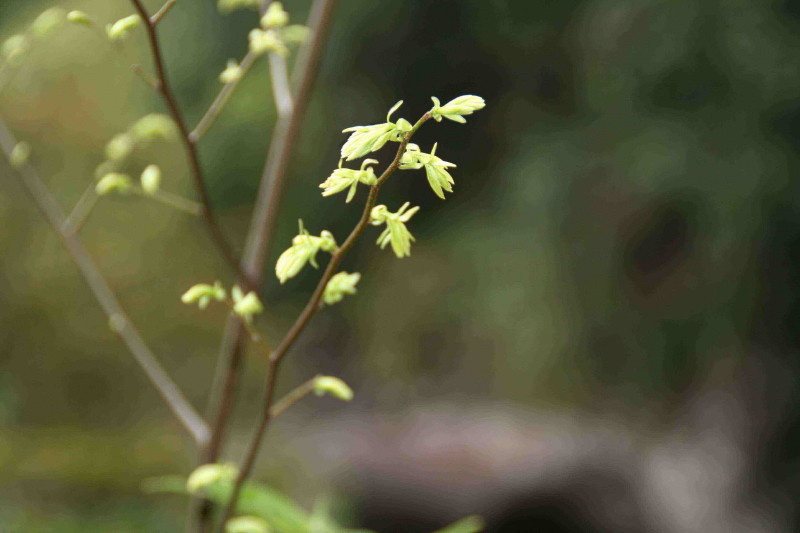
[[470, 524], [279, 511]]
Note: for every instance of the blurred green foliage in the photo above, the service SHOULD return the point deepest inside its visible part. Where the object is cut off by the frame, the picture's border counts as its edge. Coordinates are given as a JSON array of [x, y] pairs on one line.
[[625, 217]]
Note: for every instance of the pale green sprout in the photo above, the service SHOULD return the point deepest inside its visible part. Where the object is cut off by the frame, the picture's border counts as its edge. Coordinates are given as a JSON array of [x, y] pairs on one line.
[[366, 139], [154, 127], [120, 146], [113, 182], [340, 286], [275, 17], [203, 293], [334, 386], [263, 41], [20, 155], [121, 28], [232, 73], [246, 305], [79, 17], [14, 47], [208, 474], [247, 524], [151, 179], [456, 108], [304, 250], [396, 231], [48, 20], [439, 178], [342, 178], [226, 6]]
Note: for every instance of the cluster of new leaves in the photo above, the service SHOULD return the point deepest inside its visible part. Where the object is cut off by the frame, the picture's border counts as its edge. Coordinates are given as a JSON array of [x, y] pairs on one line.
[[274, 35], [243, 305], [304, 250]]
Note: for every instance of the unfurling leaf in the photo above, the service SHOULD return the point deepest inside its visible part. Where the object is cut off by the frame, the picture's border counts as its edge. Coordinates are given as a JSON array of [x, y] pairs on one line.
[[456, 108], [304, 250], [396, 231], [334, 386], [339, 286]]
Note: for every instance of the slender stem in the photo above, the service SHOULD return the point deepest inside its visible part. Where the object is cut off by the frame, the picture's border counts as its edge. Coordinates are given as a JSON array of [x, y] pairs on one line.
[[294, 396], [173, 200], [282, 144], [284, 137], [304, 318], [155, 19], [81, 211], [118, 319], [222, 98], [191, 149], [281, 147], [281, 90], [262, 224], [255, 335]]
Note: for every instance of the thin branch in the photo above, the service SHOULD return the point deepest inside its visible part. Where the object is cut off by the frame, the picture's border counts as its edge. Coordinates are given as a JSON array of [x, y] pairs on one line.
[[302, 321], [294, 396], [118, 319], [284, 136], [173, 200], [81, 211], [155, 19], [265, 212], [262, 224], [222, 98], [191, 148], [281, 90]]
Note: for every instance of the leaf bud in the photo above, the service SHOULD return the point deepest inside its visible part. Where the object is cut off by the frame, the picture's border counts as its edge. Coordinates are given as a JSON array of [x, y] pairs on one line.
[[20, 155], [113, 182], [79, 17], [275, 17], [333, 386], [121, 28], [151, 179]]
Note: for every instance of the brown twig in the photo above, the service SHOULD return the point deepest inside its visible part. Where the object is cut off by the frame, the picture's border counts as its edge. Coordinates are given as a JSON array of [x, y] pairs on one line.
[[282, 144], [294, 396], [222, 98], [290, 113], [302, 321], [118, 319], [169, 4], [191, 148]]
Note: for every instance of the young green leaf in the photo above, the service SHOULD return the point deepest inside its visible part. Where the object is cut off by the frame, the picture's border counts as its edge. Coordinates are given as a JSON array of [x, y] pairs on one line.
[[396, 231]]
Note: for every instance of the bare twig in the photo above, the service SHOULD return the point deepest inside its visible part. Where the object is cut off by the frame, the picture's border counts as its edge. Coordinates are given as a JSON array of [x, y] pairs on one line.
[[191, 148], [118, 319], [294, 396], [281, 90], [302, 321], [263, 221], [81, 211], [285, 133], [222, 98], [282, 144], [169, 4]]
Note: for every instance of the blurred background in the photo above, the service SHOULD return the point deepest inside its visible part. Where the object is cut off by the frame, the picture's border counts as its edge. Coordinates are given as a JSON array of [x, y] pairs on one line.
[[597, 332]]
